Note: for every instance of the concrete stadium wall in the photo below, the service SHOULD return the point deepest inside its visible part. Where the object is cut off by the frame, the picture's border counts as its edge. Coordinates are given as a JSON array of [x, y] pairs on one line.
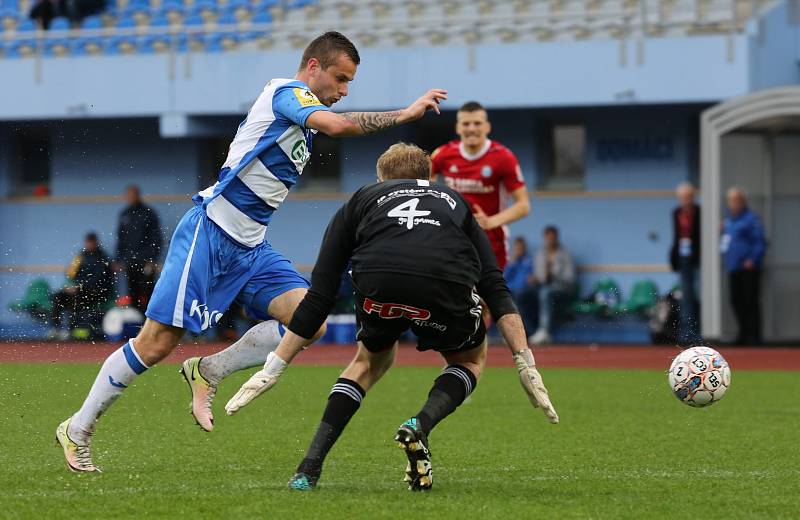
[[775, 48], [573, 73]]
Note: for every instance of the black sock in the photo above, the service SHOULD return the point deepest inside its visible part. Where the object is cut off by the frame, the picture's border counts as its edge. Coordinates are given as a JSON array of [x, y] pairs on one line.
[[448, 392], [343, 403]]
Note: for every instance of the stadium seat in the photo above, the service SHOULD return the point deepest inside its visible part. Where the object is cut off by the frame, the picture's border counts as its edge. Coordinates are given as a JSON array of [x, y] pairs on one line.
[[604, 299], [59, 24], [228, 18], [92, 22], [194, 37], [125, 43], [24, 44], [8, 19], [207, 9], [154, 44], [36, 301], [91, 45], [644, 295]]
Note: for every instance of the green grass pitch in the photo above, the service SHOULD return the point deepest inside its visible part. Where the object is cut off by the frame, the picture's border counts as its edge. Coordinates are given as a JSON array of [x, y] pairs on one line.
[[625, 449]]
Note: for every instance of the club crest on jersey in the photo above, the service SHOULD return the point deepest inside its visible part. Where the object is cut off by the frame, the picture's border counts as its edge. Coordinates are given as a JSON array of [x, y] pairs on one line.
[[453, 169], [486, 171], [306, 97]]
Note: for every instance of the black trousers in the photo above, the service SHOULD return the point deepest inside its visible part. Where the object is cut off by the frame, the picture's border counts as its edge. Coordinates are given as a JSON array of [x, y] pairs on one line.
[[63, 302], [140, 285], [745, 288]]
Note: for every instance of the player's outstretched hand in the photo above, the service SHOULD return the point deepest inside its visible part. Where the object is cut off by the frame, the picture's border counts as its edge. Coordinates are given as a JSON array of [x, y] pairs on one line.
[[533, 385], [261, 381], [430, 101]]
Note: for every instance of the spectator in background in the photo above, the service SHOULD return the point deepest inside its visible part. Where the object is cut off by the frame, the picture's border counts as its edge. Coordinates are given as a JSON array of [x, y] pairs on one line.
[[138, 247], [554, 279], [519, 276], [684, 256], [90, 283], [43, 11], [743, 246]]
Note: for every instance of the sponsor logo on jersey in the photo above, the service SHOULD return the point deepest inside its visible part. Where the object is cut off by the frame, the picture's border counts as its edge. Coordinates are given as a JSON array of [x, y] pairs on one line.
[[468, 185], [391, 311], [306, 97], [293, 143], [486, 171], [453, 169], [207, 316]]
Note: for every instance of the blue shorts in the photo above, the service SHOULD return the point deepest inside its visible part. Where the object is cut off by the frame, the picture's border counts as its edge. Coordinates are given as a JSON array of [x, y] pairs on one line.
[[206, 270]]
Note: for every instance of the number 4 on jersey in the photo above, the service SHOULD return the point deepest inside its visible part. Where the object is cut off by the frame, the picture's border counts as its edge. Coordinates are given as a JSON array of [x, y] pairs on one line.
[[407, 212]]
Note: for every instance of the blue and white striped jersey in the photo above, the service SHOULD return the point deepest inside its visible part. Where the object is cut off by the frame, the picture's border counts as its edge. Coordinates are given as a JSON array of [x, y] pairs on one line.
[[269, 152]]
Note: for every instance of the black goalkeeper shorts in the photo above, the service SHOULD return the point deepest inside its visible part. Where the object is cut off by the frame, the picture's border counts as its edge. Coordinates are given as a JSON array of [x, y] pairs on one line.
[[445, 316]]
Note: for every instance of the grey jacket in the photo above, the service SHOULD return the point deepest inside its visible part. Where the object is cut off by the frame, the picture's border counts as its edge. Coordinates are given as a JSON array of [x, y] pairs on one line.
[[562, 269]]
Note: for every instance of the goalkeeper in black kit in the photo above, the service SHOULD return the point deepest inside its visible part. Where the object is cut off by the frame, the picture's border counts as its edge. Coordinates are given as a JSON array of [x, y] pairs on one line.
[[419, 261]]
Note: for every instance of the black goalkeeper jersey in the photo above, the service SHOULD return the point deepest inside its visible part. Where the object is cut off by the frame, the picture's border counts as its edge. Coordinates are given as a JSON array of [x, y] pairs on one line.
[[409, 227]]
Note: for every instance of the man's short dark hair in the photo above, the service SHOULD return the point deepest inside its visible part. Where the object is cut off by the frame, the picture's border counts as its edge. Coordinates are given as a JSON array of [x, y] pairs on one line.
[[91, 237], [551, 229], [327, 47], [471, 106]]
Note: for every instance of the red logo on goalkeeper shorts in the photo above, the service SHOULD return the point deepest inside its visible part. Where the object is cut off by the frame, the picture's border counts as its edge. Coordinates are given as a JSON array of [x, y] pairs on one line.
[[391, 311]]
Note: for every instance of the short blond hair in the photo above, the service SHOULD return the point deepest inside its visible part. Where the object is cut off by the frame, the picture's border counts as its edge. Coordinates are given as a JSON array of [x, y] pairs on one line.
[[404, 161]]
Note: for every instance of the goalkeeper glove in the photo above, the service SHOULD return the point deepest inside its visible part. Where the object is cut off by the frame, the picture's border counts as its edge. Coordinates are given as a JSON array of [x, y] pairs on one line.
[[533, 385], [259, 383]]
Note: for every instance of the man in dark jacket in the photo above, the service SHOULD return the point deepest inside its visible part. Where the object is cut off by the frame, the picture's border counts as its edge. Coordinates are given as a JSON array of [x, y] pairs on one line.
[[138, 247], [90, 283], [684, 256], [743, 246]]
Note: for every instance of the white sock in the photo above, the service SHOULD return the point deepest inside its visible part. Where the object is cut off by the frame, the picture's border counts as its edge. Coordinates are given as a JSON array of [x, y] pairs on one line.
[[251, 350], [117, 372]]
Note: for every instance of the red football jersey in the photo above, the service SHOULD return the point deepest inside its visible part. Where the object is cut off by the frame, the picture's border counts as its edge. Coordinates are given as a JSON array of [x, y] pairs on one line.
[[485, 179]]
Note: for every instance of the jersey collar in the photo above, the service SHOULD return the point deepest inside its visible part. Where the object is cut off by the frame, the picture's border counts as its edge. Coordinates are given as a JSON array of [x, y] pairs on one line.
[[476, 156]]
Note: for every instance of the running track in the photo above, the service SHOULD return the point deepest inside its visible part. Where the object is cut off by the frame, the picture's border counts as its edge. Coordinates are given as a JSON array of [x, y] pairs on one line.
[[740, 358]]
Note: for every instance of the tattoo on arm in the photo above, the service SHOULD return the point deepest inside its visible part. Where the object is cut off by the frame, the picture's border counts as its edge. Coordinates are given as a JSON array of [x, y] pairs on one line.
[[373, 121]]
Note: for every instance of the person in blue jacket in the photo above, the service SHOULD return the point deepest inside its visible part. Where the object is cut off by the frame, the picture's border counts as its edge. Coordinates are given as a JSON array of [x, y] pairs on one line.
[[519, 276], [743, 246]]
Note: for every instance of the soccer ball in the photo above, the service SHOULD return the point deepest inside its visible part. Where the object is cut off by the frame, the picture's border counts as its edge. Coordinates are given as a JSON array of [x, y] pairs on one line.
[[699, 376]]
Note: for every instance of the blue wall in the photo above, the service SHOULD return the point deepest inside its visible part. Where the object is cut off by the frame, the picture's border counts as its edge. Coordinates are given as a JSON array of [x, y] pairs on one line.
[[101, 157]]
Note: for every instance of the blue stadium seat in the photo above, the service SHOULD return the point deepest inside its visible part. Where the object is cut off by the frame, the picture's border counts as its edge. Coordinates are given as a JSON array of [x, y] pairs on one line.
[[92, 22], [205, 5], [7, 16], [82, 45], [159, 19], [56, 47], [262, 18], [213, 43], [193, 20], [154, 44], [266, 4], [27, 25], [59, 24], [121, 44], [125, 22], [172, 7], [296, 4], [227, 18]]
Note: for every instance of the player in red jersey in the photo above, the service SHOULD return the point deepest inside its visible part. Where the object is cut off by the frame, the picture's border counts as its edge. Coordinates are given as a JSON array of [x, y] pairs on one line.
[[486, 173]]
